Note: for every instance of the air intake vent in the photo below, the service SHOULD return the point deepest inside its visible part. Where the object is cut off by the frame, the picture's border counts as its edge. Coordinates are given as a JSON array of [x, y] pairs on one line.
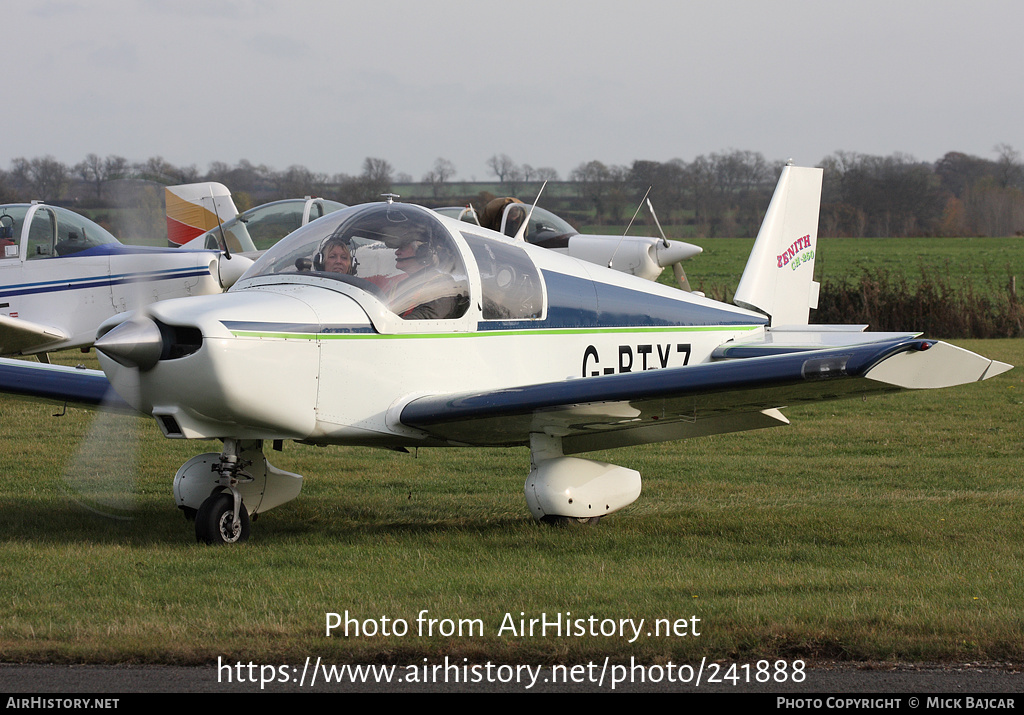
[[169, 425], [179, 341]]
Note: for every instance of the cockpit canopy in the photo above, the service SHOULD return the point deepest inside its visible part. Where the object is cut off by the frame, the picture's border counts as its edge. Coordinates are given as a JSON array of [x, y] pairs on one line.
[[260, 228], [400, 253], [545, 229], [52, 232]]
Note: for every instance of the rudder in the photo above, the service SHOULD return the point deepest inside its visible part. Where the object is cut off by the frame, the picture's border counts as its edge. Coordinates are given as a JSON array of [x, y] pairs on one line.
[[778, 279], [193, 209]]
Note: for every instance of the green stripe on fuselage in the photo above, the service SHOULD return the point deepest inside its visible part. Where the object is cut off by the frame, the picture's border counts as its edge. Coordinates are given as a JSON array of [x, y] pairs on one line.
[[496, 333]]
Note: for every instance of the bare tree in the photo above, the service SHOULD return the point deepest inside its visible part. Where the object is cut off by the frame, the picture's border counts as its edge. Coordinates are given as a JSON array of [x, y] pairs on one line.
[[156, 168], [437, 176], [1010, 173], [892, 195], [375, 180], [501, 165], [545, 173], [593, 181], [97, 171], [298, 181], [45, 177], [958, 172], [6, 194], [377, 176]]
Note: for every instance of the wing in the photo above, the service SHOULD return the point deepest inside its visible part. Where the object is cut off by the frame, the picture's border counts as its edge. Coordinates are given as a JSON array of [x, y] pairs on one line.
[[17, 335], [725, 396], [60, 384]]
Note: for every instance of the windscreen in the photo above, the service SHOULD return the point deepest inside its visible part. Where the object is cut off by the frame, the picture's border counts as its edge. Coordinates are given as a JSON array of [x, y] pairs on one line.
[[401, 254], [53, 231]]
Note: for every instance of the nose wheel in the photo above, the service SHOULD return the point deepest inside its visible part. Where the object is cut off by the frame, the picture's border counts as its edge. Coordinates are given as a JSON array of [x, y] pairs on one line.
[[218, 522]]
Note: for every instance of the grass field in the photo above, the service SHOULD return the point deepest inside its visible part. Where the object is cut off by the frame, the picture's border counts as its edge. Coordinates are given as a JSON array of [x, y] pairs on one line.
[[889, 528], [984, 263]]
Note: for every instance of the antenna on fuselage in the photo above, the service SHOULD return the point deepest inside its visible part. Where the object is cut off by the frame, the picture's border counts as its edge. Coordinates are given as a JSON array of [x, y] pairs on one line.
[[391, 197], [521, 233], [220, 225], [639, 206]]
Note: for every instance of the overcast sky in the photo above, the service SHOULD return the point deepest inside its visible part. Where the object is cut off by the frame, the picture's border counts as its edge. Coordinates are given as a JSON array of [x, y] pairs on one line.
[[550, 82]]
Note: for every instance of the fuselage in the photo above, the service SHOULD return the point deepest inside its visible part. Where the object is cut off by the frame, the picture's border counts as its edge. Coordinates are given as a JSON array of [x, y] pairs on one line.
[[300, 353], [60, 271]]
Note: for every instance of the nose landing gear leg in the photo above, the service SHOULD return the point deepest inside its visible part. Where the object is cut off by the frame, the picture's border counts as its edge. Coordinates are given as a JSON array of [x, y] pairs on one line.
[[222, 518]]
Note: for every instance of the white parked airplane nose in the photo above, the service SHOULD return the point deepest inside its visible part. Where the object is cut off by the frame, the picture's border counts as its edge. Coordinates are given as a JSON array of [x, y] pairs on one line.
[[674, 252], [229, 270]]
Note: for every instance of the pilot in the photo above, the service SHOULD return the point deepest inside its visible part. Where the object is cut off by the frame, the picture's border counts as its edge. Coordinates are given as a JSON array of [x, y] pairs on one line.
[[429, 292]]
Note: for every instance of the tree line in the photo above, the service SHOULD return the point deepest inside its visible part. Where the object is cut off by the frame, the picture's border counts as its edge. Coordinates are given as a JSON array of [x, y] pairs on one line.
[[718, 194]]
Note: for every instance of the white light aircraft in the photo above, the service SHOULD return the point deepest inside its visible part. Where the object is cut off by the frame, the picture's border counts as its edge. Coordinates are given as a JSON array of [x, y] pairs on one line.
[[642, 256], [447, 334], [61, 275]]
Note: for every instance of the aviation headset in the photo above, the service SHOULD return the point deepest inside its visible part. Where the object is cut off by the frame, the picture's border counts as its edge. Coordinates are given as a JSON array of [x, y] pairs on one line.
[[426, 253], [320, 259]]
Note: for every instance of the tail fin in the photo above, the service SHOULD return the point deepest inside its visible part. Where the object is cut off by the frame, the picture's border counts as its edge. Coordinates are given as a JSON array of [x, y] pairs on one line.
[[193, 209], [779, 277]]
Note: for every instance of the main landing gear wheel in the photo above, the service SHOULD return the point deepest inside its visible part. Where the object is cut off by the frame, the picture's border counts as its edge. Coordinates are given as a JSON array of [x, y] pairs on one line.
[[215, 521], [569, 520]]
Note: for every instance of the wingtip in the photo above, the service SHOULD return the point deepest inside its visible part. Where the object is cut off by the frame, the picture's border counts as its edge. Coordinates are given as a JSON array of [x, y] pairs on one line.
[[939, 365], [995, 368]]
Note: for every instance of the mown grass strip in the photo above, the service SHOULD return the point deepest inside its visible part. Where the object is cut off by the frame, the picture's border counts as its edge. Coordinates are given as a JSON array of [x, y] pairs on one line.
[[876, 529]]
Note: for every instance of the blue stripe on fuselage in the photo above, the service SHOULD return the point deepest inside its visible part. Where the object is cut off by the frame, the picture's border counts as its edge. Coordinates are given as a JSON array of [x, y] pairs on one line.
[[119, 249], [101, 281], [580, 303]]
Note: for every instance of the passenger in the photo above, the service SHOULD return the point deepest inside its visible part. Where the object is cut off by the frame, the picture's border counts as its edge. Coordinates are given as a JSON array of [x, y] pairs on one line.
[[336, 257]]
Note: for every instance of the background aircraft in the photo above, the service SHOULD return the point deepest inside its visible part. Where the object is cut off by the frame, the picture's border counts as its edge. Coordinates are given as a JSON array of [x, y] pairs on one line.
[[448, 334], [192, 209], [203, 215], [259, 228], [641, 256], [61, 275]]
